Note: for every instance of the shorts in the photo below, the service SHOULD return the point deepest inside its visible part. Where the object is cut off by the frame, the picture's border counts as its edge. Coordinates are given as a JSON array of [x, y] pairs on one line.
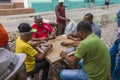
[[107, 3], [61, 29], [40, 65]]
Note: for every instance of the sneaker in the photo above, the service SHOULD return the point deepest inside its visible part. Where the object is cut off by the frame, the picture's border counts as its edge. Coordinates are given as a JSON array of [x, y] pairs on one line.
[[30, 78]]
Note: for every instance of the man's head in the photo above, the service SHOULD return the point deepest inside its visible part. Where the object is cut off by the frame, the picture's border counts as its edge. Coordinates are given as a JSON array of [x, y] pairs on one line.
[[88, 17], [61, 2], [26, 31], [38, 20], [83, 29]]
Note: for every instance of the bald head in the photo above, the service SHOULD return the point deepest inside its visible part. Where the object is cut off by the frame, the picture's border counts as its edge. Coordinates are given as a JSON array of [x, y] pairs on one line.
[[88, 17]]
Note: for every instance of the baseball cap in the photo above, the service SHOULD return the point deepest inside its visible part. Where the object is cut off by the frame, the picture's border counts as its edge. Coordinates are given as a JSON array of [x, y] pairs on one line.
[[10, 63], [37, 17], [60, 1], [25, 27]]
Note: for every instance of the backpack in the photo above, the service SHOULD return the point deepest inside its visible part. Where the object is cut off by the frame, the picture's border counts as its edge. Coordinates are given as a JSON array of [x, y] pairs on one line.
[[70, 28]]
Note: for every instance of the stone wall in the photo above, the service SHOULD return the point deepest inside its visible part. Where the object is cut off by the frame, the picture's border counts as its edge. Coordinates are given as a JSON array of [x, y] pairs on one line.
[[6, 6], [18, 5], [14, 8], [16, 11]]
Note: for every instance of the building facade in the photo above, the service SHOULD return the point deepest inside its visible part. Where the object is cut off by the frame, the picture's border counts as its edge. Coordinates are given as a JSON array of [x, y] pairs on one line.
[[49, 5]]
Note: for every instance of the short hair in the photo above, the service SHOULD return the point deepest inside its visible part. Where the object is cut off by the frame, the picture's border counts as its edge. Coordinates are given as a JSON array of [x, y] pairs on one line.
[[37, 17], [84, 26], [90, 15], [24, 27]]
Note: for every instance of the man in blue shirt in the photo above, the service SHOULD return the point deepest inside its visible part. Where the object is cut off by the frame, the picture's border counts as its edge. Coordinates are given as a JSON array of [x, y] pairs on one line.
[[115, 58]]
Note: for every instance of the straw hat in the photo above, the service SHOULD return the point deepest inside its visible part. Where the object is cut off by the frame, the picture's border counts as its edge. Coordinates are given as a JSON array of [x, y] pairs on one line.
[[10, 63]]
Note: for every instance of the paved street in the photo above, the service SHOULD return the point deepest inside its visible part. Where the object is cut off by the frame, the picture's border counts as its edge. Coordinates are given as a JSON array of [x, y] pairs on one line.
[[11, 22], [108, 31]]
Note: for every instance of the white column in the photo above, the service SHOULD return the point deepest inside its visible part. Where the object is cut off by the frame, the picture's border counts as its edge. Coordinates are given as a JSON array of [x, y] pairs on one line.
[[26, 3]]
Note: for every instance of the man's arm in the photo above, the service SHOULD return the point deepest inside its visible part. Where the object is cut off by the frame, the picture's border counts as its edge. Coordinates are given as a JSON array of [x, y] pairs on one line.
[[52, 34], [74, 44], [35, 43], [71, 59], [40, 39], [43, 54]]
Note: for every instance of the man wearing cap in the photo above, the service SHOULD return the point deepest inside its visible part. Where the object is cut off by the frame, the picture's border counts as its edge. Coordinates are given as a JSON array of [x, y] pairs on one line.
[[35, 59], [12, 65], [44, 30], [3, 38], [61, 17]]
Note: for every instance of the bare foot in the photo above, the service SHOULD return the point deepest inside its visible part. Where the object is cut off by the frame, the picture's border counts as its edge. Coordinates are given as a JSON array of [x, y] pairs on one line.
[[54, 78]]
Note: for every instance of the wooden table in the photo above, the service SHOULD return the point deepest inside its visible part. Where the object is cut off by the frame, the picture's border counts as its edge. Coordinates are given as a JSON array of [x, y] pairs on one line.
[[54, 55]]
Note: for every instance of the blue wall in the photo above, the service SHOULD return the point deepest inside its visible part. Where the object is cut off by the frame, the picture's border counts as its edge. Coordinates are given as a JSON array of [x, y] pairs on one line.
[[44, 6]]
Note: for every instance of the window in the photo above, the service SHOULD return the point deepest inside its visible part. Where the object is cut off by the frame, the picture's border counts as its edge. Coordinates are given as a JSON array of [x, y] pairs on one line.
[[4, 1]]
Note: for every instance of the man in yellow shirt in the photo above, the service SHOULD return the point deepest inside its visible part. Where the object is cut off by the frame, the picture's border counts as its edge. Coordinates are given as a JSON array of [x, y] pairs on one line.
[[22, 46]]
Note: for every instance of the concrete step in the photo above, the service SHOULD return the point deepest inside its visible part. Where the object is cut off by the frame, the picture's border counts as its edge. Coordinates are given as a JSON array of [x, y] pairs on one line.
[[16, 11], [18, 5], [6, 5], [11, 5]]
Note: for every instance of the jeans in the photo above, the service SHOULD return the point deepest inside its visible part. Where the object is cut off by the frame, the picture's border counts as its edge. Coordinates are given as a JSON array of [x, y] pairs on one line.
[[113, 54], [40, 64], [80, 64], [116, 72], [78, 74], [115, 60]]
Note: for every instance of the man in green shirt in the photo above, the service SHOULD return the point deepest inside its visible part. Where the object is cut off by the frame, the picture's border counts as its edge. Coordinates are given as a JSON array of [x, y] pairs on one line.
[[93, 52]]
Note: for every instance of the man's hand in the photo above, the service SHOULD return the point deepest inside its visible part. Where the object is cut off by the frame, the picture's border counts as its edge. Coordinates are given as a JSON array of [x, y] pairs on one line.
[[67, 20], [44, 39], [63, 55], [52, 35], [50, 46], [72, 38], [64, 44]]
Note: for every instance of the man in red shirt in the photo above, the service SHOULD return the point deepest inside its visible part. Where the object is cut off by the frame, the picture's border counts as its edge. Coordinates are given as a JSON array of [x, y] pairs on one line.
[[61, 17], [3, 38], [43, 29]]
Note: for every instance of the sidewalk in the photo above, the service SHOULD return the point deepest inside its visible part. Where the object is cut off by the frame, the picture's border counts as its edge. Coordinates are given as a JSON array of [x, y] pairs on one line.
[[11, 22]]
